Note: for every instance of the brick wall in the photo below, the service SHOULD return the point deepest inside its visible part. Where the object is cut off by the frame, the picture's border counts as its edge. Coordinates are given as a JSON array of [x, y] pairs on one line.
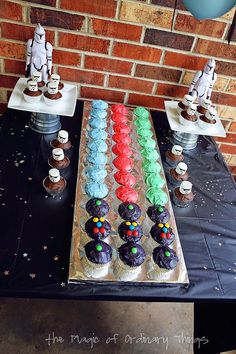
[[124, 51]]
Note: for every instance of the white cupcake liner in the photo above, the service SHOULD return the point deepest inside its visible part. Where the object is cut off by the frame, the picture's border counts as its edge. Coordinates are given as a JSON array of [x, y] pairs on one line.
[[124, 272], [94, 270]]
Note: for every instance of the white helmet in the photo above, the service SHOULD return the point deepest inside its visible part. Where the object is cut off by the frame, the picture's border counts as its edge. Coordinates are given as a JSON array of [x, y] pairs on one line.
[[210, 66], [39, 34]]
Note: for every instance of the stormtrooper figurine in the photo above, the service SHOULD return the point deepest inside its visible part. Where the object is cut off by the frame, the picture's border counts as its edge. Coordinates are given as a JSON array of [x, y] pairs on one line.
[[58, 159], [39, 55], [54, 175], [178, 174], [202, 84], [174, 155]]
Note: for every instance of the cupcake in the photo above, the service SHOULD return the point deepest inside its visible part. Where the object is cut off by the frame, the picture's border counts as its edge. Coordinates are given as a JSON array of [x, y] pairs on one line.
[[178, 174], [56, 79], [154, 180], [174, 155], [203, 108], [96, 173], [151, 166], [208, 120], [54, 183], [98, 114], [185, 103], [128, 265], [97, 145], [183, 195], [37, 76], [97, 259], [62, 141], [123, 163], [121, 138], [122, 149], [157, 196], [188, 118], [97, 207], [96, 189], [121, 128], [130, 231], [97, 158], [162, 234], [119, 118], [150, 154], [99, 104], [99, 134], [158, 214], [52, 96], [127, 194], [125, 178], [119, 108], [97, 228], [164, 261], [97, 123], [129, 211], [58, 159], [32, 94], [141, 113]]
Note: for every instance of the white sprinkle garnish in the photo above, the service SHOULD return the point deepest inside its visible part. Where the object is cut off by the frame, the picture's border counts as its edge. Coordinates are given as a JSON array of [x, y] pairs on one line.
[[220, 244]]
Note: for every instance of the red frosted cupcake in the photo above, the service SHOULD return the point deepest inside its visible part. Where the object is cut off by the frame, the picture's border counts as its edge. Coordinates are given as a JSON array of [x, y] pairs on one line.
[[127, 194], [123, 163], [122, 149], [121, 138], [121, 128], [125, 178]]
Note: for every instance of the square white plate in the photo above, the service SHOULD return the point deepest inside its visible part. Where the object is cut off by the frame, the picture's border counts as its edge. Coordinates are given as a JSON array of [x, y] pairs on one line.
[[66, 106], [173, 118]]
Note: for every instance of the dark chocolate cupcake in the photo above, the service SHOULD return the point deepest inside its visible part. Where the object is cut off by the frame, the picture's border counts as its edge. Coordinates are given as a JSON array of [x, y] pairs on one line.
[[130, 231], [158, 214], [165, 257], [97, 228], [132, 254], [129, 211], [162, 233], [97, 207], [98, 252]]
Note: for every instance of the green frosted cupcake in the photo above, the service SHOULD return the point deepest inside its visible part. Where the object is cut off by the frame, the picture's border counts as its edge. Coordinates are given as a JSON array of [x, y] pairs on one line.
[[146, 133], [147, 143], [154, 180], [150, 154], [151, 166], [141, 112], [157, 196], [142, 123]]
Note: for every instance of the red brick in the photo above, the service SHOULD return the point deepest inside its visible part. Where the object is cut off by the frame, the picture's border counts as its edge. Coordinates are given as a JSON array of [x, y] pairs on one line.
[[130, 84], [168, 39], [8, 81], [224, 99], [226, 68], [232, 127], [225, 123], [230, 138], [157, 73], [97, 7], [43, 2], [66, 58], [14, 66], [136, 52], [171, 90], [56, 19], [232, 170], [80, 76], [3, 108], [108, 95], [22, 33], [169, 3], [216, 49], [105, 64], [116, 29], [10, 10], [189, 24], [85, 43], [147, 101], [228, 149], [12, 50], [184, 61]]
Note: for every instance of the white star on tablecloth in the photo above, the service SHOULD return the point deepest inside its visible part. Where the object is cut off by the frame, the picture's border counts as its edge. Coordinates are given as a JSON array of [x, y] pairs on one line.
[[25, 255], [63, 284], [32, 275], [56, 258], [45, 248], [7, 272]]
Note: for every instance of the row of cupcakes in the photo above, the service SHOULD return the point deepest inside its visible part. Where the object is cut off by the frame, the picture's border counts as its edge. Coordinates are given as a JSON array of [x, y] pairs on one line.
[[121, 149], [151, 168], [96, 172], [54, 183]]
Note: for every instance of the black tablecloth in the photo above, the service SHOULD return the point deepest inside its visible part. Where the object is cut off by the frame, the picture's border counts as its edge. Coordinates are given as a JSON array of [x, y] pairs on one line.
[[35, 229]]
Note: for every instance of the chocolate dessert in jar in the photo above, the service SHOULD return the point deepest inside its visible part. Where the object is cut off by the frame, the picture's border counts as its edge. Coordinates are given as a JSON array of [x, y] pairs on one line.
[[52, 96], [178, 174], [62, 141], [183, 195], [208, 120], [54, 183], [188, 118], [174, 155], [205, 105], [37, 76], [185, 103], [32, 94], [56, 79], [58, 159]]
